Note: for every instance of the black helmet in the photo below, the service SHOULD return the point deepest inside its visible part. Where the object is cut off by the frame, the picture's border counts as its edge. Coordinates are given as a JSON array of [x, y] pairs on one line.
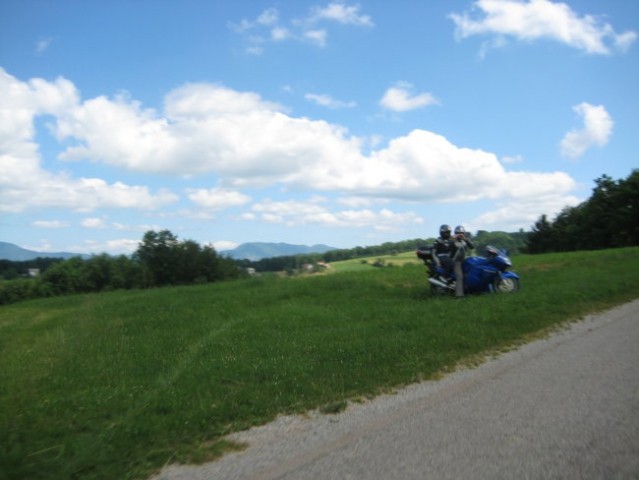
[[444, 231], [459, 229]]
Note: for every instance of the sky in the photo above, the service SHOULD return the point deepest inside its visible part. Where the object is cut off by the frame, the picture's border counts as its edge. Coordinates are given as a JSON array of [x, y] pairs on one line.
[[307, 121]]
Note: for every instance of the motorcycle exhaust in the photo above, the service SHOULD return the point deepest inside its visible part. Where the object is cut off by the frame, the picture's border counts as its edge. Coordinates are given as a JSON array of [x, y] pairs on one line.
[[438, 283]]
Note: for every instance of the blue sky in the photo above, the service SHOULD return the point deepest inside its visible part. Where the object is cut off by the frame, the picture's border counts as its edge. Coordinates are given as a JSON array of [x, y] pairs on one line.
[[307, 122]]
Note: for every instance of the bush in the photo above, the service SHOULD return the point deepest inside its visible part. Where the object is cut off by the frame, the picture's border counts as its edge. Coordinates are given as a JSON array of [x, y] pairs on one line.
[[12, 291]]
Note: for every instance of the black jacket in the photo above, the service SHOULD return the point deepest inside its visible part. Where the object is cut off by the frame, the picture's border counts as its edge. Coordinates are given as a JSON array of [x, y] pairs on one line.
[[442, 246]]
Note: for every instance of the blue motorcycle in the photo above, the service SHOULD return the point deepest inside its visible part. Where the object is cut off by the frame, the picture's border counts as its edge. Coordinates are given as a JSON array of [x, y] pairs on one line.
[[488, 274]]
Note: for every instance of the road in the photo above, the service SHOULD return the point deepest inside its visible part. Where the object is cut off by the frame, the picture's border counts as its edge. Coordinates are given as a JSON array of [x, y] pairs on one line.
[[565, 407]]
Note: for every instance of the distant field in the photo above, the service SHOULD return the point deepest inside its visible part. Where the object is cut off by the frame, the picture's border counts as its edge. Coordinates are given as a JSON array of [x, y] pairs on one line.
[[116, 385], [362, 264]]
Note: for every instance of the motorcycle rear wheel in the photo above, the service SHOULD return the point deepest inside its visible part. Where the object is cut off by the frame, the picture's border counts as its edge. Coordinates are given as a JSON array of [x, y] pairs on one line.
[[506, 285]]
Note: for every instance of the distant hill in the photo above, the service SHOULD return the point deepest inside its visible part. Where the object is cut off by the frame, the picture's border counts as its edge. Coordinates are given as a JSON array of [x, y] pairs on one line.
[[9, 251], [258, 250]]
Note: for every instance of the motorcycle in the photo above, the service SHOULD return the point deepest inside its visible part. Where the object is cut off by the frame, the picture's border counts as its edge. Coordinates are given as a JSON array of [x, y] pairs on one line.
[[487, 274]]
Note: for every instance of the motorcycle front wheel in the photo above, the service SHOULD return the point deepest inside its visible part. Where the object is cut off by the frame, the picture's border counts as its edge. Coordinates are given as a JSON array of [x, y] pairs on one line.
[[506, 285]]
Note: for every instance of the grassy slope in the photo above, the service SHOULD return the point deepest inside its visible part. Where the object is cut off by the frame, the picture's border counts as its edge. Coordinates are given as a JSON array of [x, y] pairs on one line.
[[116, 385]]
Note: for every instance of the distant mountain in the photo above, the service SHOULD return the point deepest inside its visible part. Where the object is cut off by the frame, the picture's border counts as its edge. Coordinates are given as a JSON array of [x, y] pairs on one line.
[[257, 250], [9, 251]]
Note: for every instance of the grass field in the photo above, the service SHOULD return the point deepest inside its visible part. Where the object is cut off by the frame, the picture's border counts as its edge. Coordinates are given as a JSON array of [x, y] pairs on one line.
[[115, 385], [363, 264]]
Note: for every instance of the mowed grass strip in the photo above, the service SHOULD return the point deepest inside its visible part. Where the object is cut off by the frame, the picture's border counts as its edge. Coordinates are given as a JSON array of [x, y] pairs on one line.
[[116, 385]]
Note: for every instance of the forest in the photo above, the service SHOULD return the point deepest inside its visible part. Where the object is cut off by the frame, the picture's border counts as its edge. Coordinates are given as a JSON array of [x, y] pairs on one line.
[[608, 219]]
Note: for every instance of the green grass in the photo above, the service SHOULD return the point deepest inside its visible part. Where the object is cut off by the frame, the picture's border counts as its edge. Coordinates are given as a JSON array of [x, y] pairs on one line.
[[116, 385]]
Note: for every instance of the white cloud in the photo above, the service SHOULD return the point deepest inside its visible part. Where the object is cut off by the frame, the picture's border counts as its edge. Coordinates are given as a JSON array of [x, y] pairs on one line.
[[20, 102], [269, 27], [222, 245], [135, 228], [242, 140], [291, 212], [315, 36], [44, 246], [121, 246], [513, 215], [202, 100], [512, 159], [25, 184], [328, 101], [268, 17], [280, 34], [217, 198], [94, 223], [295, 213], [541, 19], [358, 202], [341, 13], [400, 99], [43, 45], [596, 130], [50, 224]]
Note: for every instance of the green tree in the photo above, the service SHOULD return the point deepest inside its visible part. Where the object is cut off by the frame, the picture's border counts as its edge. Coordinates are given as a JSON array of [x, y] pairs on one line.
[[67, 277], [608, 219], [540, 239], [168, 261], [157, 253], [502, 240]]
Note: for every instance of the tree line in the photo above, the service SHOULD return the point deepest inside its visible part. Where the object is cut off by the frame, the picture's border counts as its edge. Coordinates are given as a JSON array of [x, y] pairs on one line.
[[160, 260], [608, 219]]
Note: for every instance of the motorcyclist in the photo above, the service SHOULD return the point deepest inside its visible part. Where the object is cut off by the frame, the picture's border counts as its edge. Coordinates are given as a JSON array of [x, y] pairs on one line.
[[441, 251], [460, 246]]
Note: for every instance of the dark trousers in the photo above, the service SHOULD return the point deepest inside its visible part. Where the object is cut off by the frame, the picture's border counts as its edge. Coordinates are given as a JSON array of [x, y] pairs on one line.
[[459, 275]]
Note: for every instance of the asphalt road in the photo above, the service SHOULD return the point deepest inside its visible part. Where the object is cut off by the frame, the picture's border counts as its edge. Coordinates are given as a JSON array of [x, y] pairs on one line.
[[565, 407]]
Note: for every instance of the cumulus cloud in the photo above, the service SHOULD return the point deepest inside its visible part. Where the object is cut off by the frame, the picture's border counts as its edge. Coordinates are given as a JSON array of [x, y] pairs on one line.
[[400, 98], [241, 140], [541, 19], [596, 130], [24, 183]]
